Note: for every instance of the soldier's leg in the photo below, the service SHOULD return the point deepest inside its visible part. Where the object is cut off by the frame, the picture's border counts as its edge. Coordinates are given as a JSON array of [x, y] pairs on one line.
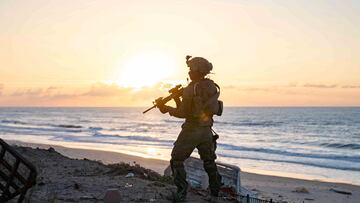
[[207, 154], [181, 151]]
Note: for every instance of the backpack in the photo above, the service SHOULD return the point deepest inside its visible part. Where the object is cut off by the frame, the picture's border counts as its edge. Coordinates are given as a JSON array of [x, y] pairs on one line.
[[212, 106]]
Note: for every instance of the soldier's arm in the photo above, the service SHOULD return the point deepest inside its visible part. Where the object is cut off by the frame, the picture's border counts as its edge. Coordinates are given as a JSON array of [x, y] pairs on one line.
[[177, 101], [183, 108]]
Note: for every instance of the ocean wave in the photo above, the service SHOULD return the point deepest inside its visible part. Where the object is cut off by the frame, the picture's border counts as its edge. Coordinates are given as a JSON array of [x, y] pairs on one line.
[[13, 122], [326, 123], [341, 145], [36, 130], [172, 121], [95, 128], [67, 126], [305, 163], [251, 124], [85, 121], [292, 154], [133, 137], [40, 124]]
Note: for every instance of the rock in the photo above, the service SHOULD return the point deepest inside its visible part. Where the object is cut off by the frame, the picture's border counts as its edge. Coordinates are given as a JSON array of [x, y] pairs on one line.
[[112, 196], [51, 149], [340, 191], [76, 186], [301, 190], [130, 175], [127, 185]]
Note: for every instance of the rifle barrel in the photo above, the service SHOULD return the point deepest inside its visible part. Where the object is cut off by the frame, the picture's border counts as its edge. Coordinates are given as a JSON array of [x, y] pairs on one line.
[[149, 109]]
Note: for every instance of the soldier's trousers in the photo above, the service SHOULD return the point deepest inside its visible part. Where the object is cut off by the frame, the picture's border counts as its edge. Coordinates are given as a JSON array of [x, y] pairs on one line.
[[189, 139]]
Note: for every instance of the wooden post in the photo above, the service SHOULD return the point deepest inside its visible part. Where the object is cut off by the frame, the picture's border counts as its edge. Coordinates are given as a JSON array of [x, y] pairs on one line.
[[247, 198]]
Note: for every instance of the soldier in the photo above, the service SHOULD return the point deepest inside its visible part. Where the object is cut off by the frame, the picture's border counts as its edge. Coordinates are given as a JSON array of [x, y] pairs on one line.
[[199, 100]]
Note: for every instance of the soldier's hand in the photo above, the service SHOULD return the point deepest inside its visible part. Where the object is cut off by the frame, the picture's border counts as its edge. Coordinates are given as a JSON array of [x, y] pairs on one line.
[[163, 108]]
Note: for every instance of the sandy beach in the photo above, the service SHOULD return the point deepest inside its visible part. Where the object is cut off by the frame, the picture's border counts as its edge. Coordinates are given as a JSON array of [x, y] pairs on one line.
[[76, 175]]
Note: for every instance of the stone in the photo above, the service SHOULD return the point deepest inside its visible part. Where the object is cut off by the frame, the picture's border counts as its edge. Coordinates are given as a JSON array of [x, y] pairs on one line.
[[130, 175]]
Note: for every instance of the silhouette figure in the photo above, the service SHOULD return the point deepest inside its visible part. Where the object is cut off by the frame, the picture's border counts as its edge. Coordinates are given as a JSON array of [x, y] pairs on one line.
[[198, 105]]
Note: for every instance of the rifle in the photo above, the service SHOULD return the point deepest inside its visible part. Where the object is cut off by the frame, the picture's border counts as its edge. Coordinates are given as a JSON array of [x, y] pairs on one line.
[[175, 92]]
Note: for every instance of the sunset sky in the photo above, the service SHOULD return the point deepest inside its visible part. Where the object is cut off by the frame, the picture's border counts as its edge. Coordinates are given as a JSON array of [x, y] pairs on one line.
[[127, 53]]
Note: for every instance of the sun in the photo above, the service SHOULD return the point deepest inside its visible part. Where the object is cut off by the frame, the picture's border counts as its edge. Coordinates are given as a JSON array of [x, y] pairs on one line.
[[145, 69]]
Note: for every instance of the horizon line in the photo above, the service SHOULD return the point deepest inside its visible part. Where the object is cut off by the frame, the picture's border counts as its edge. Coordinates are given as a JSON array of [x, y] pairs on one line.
[[245, 106]]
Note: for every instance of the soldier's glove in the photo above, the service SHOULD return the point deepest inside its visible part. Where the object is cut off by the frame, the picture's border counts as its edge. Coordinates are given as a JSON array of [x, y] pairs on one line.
[[164, 109]]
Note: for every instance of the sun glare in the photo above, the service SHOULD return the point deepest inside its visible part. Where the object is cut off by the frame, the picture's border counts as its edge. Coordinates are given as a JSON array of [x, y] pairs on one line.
[[151, 151], [145, 69]]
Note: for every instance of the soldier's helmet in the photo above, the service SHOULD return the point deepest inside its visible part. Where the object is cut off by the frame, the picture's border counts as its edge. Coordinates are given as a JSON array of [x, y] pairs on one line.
[[199, 64]]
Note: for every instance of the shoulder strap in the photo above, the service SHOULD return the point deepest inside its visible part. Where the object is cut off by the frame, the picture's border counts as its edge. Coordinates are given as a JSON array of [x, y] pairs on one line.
[[216, 85], [196, 83]]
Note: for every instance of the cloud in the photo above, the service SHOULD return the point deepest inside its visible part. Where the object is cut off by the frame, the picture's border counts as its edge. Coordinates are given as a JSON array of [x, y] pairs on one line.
[[321, 86], [106, 90], [49, 92], [292, 84], [351, 86], [95, 90], [28, 92], [52, 88], [283, 90]]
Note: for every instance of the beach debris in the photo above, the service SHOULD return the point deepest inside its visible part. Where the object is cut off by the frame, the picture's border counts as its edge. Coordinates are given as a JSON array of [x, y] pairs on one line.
[[126, 168], [18, 174], [340, 191], [228, 190], [309, 199], [128, 185], [255, 191], [130, 175], [301, 190], [112, 196], [199, 191], [51, 149], [76, 186]]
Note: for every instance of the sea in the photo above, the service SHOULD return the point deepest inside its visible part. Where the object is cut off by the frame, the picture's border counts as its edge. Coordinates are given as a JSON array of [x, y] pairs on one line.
[[316, 143]]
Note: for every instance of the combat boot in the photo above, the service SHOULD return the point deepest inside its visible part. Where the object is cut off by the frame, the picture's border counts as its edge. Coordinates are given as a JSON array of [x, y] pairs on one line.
[[179, 174], [214, 177]]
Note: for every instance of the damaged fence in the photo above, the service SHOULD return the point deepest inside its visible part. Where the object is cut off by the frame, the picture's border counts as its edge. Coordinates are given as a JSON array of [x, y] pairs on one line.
[[17, 174], [248, 199]]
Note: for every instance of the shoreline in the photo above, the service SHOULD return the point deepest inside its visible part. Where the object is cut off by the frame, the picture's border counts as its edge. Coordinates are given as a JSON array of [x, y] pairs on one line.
[[106, 157], [158, 165], [264, 186]]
